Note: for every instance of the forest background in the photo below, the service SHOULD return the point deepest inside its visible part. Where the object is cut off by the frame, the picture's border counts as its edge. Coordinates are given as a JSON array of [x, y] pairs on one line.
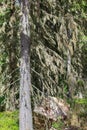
[[58, 37]]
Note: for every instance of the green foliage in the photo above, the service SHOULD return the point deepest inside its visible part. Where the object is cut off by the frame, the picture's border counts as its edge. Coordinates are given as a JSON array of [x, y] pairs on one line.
[[1, 99], [58, 125], [80, 83], [83, 114], [9, 43], [2, 102], [79, 7], [9, 121], [84, 59], [65, 89], [81, 101]]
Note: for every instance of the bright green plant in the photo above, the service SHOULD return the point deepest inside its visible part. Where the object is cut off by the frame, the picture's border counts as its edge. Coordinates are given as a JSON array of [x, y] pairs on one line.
[[58, 125], [9, 121], [82, 101]]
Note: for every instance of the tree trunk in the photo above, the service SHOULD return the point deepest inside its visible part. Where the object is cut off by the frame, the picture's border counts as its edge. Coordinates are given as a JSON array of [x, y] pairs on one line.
[[25, 82]]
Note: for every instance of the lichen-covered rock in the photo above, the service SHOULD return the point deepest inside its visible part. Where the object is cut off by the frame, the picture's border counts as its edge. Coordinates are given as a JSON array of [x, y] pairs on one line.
[[50, 110]]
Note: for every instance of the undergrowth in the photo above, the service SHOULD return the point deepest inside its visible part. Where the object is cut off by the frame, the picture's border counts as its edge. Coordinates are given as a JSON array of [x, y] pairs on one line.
[[9, 120]]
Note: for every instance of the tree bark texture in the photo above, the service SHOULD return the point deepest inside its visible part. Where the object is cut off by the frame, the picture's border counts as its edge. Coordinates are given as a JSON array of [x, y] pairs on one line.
[[25, 82]]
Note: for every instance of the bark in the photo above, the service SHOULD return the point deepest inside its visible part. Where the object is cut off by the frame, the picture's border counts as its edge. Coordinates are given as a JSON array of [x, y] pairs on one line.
[[25, 82]]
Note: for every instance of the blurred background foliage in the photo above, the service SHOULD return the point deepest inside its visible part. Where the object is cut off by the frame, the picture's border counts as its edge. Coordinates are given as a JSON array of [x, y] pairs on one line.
[[58, 51]]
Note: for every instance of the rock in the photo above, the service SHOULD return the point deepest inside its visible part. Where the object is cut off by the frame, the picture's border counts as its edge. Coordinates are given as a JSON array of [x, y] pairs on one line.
[[50, 109]]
